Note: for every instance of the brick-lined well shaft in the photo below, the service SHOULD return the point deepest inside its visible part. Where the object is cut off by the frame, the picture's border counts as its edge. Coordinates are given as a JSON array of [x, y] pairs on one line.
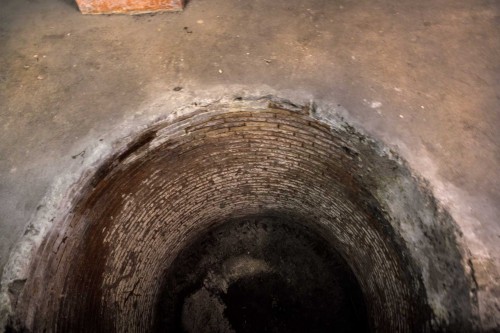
[[102, 270]]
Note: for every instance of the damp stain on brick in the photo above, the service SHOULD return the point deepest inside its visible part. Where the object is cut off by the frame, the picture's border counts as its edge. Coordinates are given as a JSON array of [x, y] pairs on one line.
[[199, 213]]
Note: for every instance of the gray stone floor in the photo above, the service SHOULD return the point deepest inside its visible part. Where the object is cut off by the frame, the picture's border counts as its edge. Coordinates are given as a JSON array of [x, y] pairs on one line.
[[422, 76]]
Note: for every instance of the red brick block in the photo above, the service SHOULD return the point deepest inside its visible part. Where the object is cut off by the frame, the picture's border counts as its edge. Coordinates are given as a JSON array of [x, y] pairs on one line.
[[128, 6]]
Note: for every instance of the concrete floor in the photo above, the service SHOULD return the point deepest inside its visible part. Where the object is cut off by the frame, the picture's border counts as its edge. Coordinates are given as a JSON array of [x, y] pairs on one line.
[[422, 76]]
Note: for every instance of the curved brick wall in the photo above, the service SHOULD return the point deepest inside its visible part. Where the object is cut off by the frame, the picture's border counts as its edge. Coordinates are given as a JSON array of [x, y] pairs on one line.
[[101, 269]]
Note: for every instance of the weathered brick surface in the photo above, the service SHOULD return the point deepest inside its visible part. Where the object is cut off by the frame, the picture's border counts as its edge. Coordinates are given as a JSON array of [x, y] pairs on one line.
[[128, 6], [102, 270]]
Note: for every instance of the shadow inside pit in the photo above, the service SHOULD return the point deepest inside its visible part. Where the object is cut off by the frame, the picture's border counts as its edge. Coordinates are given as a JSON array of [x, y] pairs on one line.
[[267, 303], [261, 275]]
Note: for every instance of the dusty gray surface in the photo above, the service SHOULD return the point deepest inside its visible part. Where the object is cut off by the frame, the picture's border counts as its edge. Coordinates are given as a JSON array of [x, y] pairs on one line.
[[422, 76]]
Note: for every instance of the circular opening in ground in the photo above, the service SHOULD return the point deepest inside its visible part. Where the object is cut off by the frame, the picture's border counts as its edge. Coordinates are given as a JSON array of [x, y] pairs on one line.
[[107, 262]]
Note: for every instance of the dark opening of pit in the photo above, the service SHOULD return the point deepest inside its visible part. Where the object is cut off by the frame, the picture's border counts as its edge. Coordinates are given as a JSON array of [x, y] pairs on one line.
[[261, 275]]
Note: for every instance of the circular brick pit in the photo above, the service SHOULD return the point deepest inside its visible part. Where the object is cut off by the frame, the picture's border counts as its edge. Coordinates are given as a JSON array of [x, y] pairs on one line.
[[202, 218]]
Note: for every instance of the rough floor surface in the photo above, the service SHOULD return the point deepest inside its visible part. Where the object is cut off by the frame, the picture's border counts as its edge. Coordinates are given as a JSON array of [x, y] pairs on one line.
[[423, 77]]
